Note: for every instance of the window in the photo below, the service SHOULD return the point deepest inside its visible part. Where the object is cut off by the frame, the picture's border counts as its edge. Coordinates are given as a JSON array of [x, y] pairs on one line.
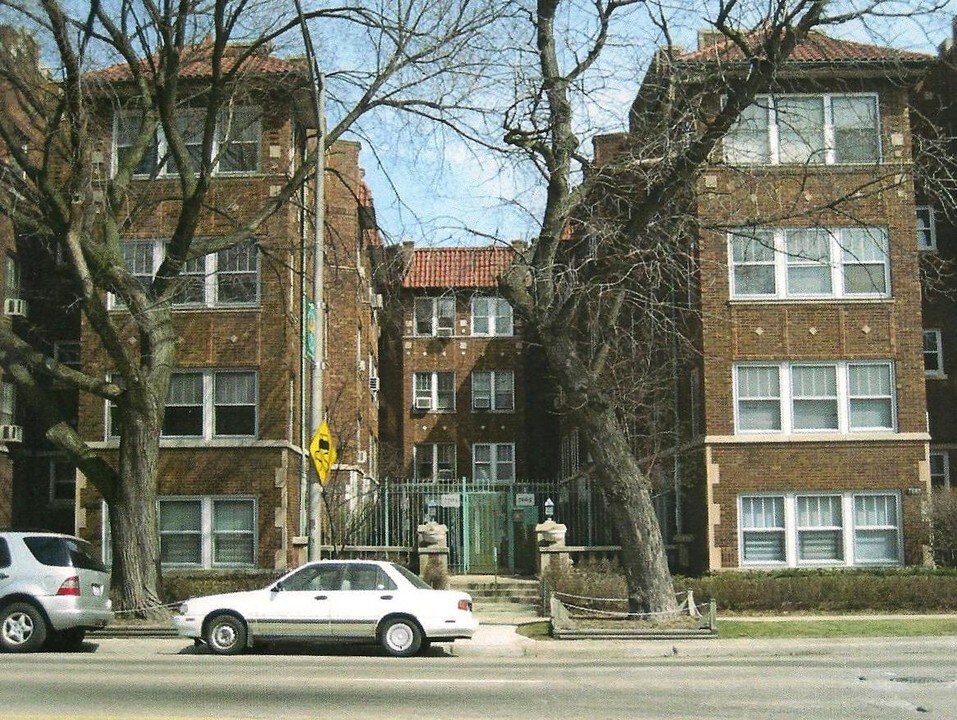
[[493, 390], [876, 529], [805, 263], [62, 483], [235, 149], [762, 529], [8, 404], [493, 461], [434, 460], [814, 397], [806, 129], [814, 529], [435, 316], [67, 352], [434, 391], [491, 316], [926, 228], [207, 531], [223, 279], [940, 469], [205, 404], [933, 353]]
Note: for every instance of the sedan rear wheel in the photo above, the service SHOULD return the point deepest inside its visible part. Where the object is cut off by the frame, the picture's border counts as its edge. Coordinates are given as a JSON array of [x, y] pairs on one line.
[[401, 637], [22, 628], [225, 635]]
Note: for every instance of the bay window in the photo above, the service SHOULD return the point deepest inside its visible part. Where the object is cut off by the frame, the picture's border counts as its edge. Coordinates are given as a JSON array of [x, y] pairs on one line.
[[806, 130], [809, 263], [819, 529], [235, 147], [814, 397]]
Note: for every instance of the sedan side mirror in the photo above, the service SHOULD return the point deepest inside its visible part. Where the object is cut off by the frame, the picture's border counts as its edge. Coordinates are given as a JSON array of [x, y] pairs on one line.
[[277, 587]]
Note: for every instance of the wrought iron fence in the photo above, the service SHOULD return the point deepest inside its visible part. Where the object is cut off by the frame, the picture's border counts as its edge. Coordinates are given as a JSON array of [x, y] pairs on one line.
[[491, 524]]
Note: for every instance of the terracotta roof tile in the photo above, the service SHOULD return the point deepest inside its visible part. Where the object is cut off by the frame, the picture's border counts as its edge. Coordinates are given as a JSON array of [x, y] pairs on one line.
[[816, 47], [457, 267], [196, 62]]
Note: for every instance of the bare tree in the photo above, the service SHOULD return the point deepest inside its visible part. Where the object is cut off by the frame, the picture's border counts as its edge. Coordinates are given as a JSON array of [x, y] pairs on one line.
[[140, 58], [605, 273]]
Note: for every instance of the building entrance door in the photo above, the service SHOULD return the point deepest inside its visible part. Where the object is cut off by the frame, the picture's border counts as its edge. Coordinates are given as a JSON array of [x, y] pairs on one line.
[[484, 540]]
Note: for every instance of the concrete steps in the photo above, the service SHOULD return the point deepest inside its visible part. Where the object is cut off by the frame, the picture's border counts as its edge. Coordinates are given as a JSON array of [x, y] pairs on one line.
[[501, 600]]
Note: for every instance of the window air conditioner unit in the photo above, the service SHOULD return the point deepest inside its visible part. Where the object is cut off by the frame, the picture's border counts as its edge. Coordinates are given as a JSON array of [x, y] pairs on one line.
[[11, 433], [481, 403], [445, 474], [15, 307], [423, 403], [361, 457], [444, 332], [375, 300], [374, 383]]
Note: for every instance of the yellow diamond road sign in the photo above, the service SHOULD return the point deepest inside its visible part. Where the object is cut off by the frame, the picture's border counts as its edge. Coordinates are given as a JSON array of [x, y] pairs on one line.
[[322, 450]]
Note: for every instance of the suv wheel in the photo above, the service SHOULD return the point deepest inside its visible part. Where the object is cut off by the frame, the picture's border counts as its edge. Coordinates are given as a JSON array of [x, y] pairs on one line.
[[22, 628]]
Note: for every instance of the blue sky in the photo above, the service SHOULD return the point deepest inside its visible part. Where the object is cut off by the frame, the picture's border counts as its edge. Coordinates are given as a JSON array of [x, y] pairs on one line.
[[435, 189]]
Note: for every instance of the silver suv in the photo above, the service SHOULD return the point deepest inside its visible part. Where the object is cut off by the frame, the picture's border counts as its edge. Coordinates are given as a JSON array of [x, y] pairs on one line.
[[52, 590]]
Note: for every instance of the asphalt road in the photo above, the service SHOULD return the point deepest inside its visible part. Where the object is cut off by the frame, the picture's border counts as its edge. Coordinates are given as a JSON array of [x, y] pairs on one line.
[[151, 678]]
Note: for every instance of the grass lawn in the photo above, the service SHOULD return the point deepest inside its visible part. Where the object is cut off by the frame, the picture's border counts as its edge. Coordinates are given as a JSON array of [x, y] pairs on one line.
[[809, 628], [845, 627]]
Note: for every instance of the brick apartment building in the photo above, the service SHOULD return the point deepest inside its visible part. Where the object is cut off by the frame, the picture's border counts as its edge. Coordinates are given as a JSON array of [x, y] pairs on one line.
[[463, 404], [937, 240], [811, 441], [232, 469]]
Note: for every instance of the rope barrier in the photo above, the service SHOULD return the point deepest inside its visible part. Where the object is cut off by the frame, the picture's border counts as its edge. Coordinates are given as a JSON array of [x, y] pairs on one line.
[[615, 613], [597, 599], [148, 608]]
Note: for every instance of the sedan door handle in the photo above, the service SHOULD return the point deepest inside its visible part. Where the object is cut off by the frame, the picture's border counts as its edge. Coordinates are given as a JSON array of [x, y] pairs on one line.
[[385, 597], [321, 597]]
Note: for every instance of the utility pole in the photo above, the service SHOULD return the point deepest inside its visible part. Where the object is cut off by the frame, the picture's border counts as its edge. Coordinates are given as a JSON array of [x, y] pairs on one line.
[[317, 404]]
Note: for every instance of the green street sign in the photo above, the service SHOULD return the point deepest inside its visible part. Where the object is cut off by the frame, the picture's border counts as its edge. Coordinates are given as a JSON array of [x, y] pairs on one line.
[[311, 319]]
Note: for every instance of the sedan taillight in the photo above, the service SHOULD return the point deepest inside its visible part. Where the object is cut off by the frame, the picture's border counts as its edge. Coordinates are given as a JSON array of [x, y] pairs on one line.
[[465, 605], [70, 586]]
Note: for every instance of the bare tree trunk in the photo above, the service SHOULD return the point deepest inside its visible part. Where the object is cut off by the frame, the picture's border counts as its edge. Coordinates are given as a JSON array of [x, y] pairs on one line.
[[624, 486], [133, 517]]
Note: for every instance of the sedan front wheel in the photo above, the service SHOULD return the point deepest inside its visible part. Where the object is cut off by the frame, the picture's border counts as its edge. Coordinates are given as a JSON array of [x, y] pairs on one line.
[[401, 637], [225, 635]]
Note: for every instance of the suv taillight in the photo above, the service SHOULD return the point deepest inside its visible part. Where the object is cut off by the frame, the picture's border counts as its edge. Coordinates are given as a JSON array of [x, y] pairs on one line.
[[70, 586]]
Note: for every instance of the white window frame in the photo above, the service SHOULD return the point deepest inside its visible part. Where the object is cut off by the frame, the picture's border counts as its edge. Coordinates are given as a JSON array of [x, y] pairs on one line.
[[500, 384], [849, 529], [433, 450], [845, 399], [934, 349], [436, 308], [209, 405], [208, 268], [500, 317], [8, 403], [827, 137], [164, 163], [496, 463], [939, 463], [837, 264], [207, 532], [926, 228], [430, 392]]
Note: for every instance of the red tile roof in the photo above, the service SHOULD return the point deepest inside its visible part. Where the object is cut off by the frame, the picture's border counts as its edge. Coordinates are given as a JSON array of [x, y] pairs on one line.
[[457, 267], [196, 62], [815, 48]]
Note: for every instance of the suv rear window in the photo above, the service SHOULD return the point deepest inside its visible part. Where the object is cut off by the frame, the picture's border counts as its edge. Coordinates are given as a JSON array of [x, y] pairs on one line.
[[63, 552]]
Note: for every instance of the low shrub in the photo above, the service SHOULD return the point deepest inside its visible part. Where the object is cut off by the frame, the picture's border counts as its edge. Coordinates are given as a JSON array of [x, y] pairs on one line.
[[845, 590], [182, 585]]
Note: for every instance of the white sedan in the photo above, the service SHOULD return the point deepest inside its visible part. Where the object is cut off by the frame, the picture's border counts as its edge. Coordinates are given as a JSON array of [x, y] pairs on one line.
[[332, 601]]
